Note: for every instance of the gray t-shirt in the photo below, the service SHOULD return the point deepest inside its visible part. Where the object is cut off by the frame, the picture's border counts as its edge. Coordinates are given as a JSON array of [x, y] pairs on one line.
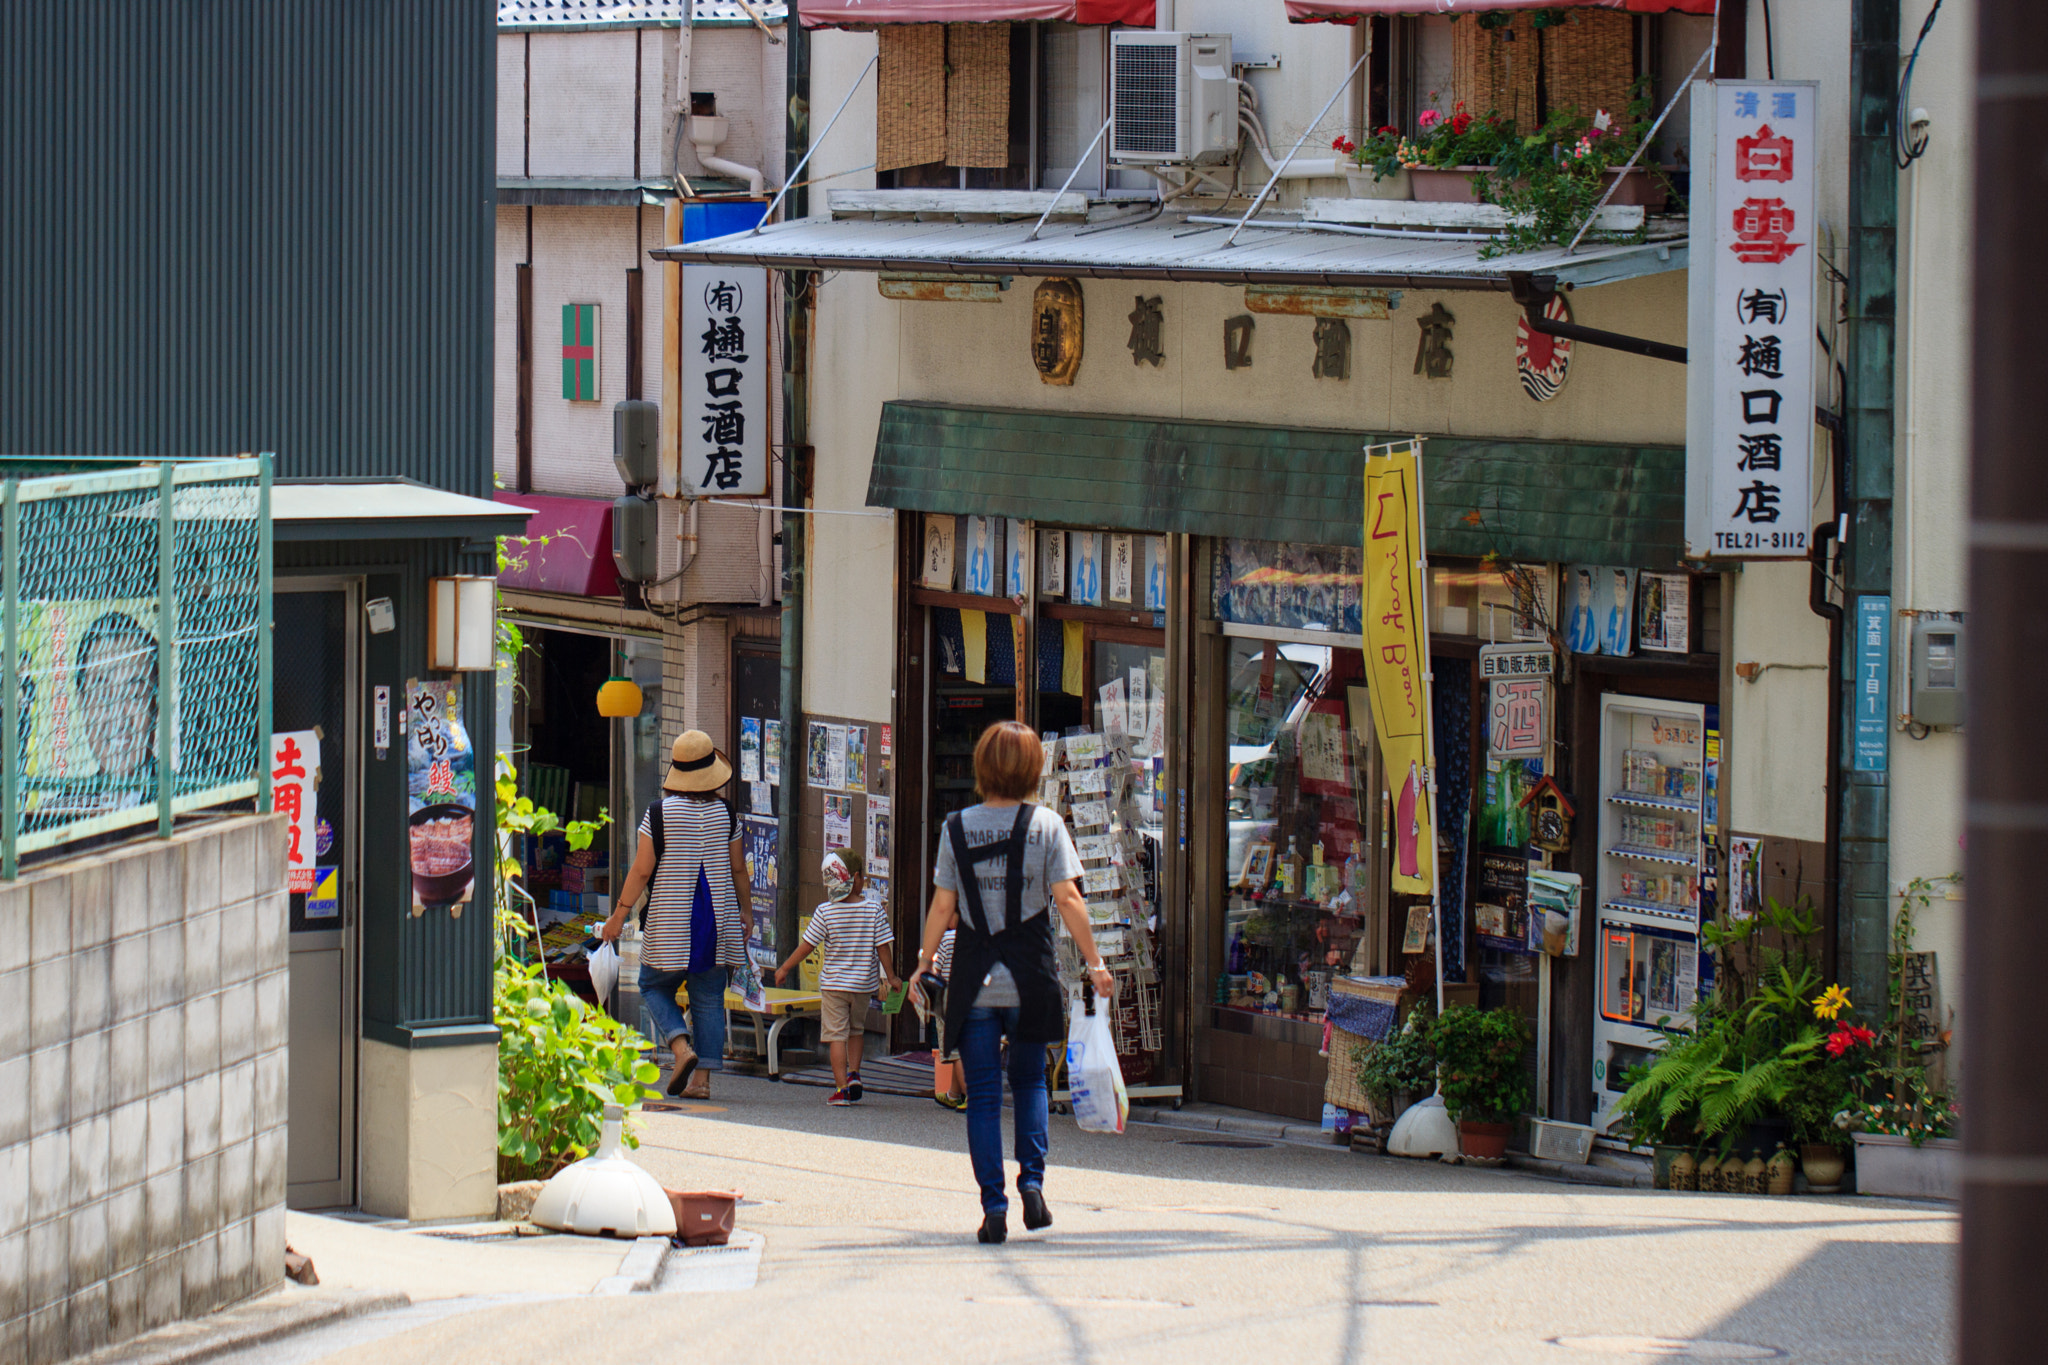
[[1049, 859]]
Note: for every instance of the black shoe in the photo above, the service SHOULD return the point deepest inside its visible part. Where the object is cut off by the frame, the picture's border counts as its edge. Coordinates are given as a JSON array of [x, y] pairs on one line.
[[853, 1090], [995, 1228], [1036, 1214]]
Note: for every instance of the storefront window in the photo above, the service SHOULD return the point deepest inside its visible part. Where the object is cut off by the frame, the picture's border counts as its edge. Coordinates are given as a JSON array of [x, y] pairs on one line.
[[1291, 587], [1299, 861]]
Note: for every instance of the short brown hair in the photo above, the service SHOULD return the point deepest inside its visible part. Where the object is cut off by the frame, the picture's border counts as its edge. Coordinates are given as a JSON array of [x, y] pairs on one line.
[[1007, 760]]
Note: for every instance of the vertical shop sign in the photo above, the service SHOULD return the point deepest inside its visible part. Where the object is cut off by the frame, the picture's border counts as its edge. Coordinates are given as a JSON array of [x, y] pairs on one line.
[[1396, 654], [1749, 388], [295, 794], [1517, 679], [1873, 682], [724, 421], [440, 774]]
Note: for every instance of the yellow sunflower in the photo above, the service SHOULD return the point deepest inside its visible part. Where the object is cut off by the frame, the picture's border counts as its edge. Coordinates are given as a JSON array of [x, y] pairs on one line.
[[1830, 1002]]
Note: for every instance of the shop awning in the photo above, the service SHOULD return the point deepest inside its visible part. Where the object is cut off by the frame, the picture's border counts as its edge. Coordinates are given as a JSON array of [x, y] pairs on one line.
[[385, 509], [569, 547], [1277, 251], [1558, 501], [867, 13], [1349, 11]]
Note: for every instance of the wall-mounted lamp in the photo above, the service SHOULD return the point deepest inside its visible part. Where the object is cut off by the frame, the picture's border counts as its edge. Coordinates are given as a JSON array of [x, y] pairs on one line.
[[618, 699], [461, 611]]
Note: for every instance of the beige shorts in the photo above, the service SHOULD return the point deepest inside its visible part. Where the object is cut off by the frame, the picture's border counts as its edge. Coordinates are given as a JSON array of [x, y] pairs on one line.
[[845, 1013]]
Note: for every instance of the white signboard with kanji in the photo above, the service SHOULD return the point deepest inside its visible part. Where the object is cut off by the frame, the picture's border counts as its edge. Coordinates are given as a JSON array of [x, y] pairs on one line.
[[1750, 381], [1517, 698], [295, 794], [723, 410]]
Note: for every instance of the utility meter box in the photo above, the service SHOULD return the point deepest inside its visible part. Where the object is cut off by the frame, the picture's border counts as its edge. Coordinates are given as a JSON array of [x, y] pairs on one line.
[[636, 523], [1937, 663]]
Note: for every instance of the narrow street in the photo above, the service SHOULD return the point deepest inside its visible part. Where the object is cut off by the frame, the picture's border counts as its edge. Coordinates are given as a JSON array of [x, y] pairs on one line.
[[1169, 1246]]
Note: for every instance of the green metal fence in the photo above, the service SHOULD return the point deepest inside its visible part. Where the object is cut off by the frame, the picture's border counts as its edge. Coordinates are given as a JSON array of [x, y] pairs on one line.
[[106, 727]]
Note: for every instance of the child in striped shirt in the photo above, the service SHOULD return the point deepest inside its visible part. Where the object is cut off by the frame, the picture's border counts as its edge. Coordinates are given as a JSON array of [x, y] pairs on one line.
[[855, 935]]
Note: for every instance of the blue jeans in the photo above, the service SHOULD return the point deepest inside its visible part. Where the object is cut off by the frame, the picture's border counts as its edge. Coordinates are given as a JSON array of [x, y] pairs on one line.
[[706, 1024], [981, 1055]]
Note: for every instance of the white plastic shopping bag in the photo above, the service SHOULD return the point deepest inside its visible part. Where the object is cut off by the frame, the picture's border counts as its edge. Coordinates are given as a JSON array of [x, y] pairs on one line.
[[1094, 1079], [604, 972]]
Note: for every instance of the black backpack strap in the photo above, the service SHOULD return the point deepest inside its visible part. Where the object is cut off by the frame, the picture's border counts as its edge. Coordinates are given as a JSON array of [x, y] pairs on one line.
[[732, 819], [1013, 881], [656, 833], [963, 866], [1011, 850]]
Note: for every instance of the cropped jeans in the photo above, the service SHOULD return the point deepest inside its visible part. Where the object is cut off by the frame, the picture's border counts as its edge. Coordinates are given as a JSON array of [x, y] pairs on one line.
[[981, 1054], [706, 1024]]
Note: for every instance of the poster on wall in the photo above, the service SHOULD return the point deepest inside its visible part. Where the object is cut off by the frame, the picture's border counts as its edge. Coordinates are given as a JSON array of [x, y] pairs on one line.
[[879, 841], [1017, 574], [771, 752], [295, 794], [1155, 573], [1554, 899], [441, 790], [818, 757], [1052, 563], [1121, 570], [838, 821], [1749, 401], [1085, 586], [759, 840], [935, 570], [750, 749], [980, 557], [724, 430], [1745, 876], [856, 759], [1503, 819], [1500, 897], [1664, 621], [1322, 747], [1601, 609]]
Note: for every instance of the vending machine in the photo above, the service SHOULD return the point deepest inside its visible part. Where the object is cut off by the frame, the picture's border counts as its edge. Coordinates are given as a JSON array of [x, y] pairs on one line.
[[1656, 796]]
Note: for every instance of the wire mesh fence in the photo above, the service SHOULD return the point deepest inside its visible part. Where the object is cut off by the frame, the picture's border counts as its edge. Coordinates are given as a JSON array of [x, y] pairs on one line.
[[107, 727]]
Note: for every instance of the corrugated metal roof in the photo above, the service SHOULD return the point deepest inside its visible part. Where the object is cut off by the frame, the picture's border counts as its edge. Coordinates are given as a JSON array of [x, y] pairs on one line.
[[1273, 250], [570, 15]]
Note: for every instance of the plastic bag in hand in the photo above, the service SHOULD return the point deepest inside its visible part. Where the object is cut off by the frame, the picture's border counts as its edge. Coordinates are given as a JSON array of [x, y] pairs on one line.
[[1094, 1079], [604, 972]]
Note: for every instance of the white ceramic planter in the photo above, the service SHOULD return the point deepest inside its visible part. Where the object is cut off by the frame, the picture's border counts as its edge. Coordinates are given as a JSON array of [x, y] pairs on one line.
[[1894, 1166], [1364, 185]]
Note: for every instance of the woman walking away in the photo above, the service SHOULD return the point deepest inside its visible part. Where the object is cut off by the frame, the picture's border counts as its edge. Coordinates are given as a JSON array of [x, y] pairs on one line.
[[696, 924], [1002, 865]]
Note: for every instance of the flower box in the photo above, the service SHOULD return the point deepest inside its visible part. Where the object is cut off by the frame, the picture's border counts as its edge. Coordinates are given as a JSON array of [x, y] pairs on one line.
[[1894, 1166], [1365, 185], [1453, 185]]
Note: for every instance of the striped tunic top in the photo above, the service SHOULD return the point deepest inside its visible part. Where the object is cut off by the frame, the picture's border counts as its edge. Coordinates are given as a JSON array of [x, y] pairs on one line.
[[696, 862]]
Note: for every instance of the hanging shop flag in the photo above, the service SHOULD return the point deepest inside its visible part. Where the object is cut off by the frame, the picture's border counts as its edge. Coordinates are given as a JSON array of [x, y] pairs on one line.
[[579, 352], [295, 794], [724, 413], [1749, 386], [1396, 653]]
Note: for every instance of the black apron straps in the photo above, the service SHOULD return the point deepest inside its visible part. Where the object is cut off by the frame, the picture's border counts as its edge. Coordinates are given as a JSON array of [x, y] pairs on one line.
[[966, 860]]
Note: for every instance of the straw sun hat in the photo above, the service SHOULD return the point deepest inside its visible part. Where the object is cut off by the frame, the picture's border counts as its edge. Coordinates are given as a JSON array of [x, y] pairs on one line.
[[695, 766]]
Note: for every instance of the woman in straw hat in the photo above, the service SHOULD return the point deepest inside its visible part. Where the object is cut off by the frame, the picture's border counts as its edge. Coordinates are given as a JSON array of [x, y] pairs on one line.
[[697, 922]]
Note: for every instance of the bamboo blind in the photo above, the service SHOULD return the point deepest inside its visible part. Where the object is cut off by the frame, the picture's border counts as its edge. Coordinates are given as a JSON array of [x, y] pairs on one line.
[[1494, 70], [910, 100], [978, 95], [1589, 63]]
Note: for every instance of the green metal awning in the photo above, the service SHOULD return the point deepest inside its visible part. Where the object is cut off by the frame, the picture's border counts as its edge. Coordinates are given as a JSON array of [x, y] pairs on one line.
[[1565, 501]]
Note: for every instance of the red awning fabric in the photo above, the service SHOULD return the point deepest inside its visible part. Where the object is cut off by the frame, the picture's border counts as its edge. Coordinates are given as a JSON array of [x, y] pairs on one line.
[[1350, 11], [866, 13], [577, 556]]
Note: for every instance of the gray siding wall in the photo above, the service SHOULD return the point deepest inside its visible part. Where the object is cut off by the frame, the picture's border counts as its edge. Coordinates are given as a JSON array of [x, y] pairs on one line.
[[234, 225]]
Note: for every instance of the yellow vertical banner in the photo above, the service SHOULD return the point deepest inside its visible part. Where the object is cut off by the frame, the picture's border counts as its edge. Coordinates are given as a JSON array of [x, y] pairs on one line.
[[1397, 655], [974, 641], [1074, 642]]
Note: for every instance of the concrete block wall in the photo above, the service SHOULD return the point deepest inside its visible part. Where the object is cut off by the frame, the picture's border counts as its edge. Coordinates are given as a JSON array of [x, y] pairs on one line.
[[143, 1022]]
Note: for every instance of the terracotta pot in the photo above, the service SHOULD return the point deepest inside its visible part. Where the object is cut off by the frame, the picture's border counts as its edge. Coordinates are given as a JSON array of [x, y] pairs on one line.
[[1638, 186], [1487, 1141], [1823, 1165], [703, 1217], [1445, 184]]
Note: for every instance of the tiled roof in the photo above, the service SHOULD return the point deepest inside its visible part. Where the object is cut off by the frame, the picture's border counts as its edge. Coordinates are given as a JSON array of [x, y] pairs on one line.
[[573, 14]]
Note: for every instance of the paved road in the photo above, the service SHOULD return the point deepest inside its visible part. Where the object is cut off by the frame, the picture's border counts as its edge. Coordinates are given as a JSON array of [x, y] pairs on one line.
[[1170, 1248]]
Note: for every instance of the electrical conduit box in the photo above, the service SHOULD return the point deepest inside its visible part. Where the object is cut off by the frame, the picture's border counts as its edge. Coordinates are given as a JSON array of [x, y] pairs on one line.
[[1172, 97]]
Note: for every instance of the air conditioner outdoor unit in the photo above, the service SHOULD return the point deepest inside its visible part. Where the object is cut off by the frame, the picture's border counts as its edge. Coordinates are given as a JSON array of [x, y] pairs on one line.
[[1172, 97]]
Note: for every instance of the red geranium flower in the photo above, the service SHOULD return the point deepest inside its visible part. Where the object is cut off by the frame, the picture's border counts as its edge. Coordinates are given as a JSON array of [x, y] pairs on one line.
[[1460, 121]]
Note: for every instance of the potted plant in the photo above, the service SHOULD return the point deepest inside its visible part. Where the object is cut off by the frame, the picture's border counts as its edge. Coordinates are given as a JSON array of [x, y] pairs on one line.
[[1375, 170], [1479, 1067], [1395, 1071], [1550, 181], [1449, 155]]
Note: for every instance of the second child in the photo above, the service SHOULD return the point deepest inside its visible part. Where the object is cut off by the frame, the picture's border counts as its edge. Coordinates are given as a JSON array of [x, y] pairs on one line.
[[853, 930]]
